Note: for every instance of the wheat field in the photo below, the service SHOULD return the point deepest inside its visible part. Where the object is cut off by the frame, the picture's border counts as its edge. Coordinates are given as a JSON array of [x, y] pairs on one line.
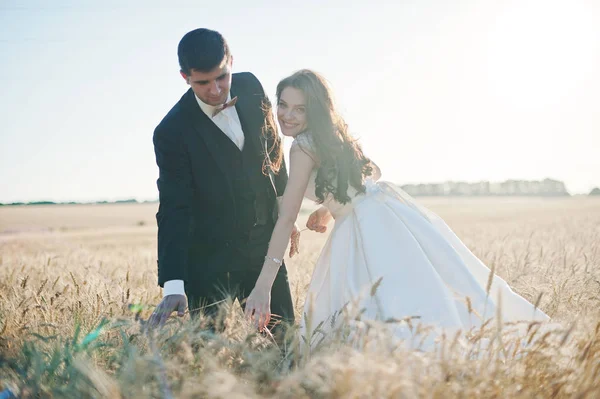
[[77, 283]]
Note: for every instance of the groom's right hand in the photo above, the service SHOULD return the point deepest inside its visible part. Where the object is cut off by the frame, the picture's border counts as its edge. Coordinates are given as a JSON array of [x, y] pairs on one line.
[[168, 305], [318, 220]]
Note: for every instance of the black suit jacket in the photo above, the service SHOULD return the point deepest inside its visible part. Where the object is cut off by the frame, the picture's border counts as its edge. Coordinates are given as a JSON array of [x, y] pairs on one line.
[[197, 209]]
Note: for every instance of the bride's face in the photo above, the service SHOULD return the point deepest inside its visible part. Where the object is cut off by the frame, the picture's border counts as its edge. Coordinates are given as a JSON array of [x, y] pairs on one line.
[[291, 112]]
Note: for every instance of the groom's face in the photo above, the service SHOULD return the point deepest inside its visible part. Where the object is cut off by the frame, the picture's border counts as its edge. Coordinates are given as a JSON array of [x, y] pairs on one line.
[[211, 87]]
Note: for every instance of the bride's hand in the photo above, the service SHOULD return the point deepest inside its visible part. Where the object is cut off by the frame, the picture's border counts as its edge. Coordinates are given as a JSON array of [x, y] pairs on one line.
[[258, 307], [318, 220]]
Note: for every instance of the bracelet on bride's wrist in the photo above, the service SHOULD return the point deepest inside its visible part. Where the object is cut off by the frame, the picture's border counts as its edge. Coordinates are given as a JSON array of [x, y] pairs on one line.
[[274, 260]]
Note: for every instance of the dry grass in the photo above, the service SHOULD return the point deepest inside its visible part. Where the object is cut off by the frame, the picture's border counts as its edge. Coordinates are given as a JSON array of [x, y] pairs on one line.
[[69, 276]]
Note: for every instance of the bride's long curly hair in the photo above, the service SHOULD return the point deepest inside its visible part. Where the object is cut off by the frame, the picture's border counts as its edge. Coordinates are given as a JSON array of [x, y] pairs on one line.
[[340, 159]]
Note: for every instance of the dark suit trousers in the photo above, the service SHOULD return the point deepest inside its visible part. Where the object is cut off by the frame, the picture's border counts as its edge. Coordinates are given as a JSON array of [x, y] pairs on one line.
[[243, 262]]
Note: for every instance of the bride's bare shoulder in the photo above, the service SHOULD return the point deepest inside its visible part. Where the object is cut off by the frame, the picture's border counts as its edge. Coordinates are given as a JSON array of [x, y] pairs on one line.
[[304, 142]]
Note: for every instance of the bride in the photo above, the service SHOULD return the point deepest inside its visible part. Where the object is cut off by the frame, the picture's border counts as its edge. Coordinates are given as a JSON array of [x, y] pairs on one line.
[[391, 256]]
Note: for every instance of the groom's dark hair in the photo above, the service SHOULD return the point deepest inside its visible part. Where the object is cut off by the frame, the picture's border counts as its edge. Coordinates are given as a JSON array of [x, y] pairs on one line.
[[203, 50]]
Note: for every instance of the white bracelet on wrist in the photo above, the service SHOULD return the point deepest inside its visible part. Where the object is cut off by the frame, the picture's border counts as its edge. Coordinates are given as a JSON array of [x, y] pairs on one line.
[[274, 260]]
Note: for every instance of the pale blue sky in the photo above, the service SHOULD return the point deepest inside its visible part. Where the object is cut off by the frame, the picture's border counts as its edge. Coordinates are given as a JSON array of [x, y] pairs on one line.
[[436, 90]]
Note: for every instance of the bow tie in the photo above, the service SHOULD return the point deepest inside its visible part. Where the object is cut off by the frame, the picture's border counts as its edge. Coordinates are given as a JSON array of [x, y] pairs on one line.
[[228, 104]]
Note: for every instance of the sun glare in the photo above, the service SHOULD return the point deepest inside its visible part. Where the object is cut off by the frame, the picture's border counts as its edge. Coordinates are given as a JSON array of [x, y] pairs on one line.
[[539, 52]]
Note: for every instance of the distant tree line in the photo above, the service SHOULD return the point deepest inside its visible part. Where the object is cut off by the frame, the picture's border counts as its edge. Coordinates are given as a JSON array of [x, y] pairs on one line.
[[126, 201], [545, 188]]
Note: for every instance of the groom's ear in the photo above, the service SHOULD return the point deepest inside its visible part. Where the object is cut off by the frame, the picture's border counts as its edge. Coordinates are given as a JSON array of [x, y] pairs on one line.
[[185, 77]]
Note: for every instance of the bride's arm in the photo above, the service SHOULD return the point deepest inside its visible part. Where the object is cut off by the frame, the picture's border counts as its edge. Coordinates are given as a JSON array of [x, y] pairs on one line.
[[295, 235], [279, 205], [301, 167]]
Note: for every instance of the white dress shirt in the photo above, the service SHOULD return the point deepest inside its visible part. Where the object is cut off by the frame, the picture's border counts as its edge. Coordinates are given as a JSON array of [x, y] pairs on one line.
[[229, 123], [227, 120]]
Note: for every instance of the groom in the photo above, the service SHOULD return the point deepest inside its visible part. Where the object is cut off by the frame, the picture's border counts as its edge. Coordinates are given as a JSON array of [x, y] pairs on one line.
[[217, 207]]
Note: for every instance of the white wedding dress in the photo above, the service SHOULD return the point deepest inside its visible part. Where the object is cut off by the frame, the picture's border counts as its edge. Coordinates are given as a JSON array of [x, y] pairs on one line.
[[425, 269]]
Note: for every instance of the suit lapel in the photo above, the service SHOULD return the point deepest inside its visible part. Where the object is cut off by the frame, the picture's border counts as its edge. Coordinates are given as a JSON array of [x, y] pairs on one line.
[[251, 130], [206, 129], [251, 127]]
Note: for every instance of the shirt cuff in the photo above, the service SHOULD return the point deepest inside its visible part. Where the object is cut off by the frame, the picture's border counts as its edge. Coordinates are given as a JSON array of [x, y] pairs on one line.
[[173, 287]]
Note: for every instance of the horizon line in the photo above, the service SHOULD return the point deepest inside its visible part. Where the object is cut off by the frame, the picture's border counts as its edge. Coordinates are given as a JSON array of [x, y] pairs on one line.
[[156, 198]]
